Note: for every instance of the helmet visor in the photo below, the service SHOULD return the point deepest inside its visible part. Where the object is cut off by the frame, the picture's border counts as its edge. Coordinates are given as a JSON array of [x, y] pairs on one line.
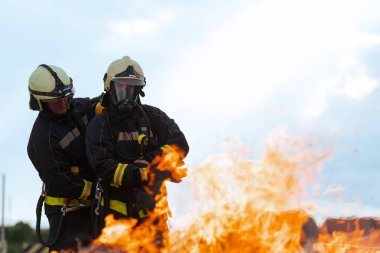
[[123, 91]]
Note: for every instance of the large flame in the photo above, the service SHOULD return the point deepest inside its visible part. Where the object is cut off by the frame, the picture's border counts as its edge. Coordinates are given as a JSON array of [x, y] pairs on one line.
[[248, 206], [240, 205]]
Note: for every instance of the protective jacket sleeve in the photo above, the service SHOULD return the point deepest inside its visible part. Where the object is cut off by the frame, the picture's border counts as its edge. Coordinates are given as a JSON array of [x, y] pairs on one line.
[[53, 166], [166, 130]]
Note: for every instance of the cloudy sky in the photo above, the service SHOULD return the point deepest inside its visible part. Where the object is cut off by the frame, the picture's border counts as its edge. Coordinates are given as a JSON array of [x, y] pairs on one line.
[[222, 69]]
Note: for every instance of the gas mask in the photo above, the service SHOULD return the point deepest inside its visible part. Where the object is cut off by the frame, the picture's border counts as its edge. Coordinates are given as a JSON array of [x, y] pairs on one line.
[[123, 94]]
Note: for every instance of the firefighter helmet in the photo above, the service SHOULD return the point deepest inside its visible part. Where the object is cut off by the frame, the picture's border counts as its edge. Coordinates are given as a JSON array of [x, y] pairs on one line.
[[48, 82], [124, 70]]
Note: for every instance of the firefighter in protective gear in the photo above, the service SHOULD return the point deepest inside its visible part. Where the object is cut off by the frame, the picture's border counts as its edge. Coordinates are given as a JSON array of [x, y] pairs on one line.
[[57, 150], [123, 140]]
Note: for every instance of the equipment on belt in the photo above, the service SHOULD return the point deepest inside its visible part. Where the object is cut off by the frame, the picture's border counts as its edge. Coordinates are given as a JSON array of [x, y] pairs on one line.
[[95, 210], [68, 205]]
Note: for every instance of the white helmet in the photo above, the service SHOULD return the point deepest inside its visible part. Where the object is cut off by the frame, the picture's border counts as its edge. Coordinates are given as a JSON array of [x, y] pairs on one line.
[[48, 82], [124, 80], [124, 69]]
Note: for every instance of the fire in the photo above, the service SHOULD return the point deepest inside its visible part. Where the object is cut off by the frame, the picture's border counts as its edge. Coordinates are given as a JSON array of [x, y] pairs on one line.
[[248, 206], [239, 205]]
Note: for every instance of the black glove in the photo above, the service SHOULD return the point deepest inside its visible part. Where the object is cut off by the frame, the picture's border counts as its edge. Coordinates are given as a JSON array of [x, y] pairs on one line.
[[146, 196], [133, 177], [151, 175], [150, 156]]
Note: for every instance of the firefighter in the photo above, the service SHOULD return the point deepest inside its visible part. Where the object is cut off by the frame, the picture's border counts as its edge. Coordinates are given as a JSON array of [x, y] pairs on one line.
[[124, 141], [57, 150]]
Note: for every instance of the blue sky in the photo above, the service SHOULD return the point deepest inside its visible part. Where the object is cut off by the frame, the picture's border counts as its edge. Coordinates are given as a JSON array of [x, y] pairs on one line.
[[221, 69]]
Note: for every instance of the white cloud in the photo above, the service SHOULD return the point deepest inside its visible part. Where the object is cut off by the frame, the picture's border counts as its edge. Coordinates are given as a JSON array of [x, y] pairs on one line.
[[271, 48], [138, 26], [134, 32], [354, 79], [350, 79], [359, 87]]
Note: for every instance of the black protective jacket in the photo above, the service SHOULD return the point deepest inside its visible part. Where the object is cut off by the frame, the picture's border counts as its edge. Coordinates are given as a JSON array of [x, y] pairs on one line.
[[112, 139], [57, 150]]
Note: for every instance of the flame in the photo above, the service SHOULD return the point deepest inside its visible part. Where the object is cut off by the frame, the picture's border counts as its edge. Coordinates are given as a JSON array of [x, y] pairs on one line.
[[249, 206], [238, 205]]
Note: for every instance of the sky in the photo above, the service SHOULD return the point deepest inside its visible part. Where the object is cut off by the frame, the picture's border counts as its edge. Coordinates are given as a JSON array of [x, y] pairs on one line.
[[222, 69]]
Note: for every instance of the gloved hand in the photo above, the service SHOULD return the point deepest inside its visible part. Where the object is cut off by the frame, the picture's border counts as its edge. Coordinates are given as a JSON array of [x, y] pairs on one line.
[[152, 155], [134, 176], [147, 195], [149, 172], [143, 166]]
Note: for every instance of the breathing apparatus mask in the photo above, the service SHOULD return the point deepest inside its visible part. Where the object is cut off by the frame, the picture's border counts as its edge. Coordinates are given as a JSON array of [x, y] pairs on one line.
[[124, 94]]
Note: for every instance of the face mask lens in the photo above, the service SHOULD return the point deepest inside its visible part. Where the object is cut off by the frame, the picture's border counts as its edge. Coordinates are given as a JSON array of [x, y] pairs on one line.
[[121, 92]]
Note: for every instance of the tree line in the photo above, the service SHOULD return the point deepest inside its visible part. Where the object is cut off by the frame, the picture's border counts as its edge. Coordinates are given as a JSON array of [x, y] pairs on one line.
[[20, 235]]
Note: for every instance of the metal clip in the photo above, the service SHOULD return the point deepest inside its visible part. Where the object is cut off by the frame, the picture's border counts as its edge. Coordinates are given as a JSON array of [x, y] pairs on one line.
[[43, 191], [98, 196], [64, 210]]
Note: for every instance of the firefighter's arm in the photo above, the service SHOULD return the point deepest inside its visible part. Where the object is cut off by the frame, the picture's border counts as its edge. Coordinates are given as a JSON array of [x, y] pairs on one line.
[[53, 166], [173, 145], [168, 132]]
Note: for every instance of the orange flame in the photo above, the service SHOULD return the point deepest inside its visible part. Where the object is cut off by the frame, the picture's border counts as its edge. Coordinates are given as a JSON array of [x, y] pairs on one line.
[[248, 206], [238, 205]]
